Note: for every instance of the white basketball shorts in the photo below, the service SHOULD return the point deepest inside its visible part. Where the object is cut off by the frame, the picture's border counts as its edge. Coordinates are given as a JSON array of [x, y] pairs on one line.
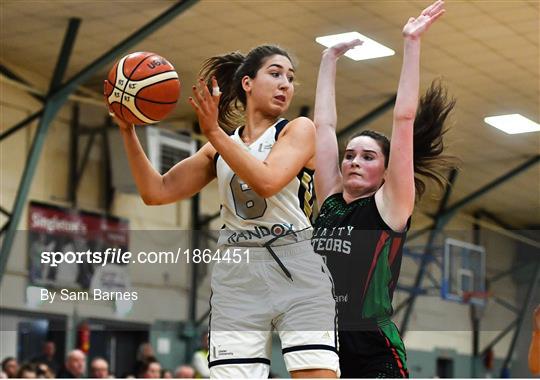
[[250, 300]]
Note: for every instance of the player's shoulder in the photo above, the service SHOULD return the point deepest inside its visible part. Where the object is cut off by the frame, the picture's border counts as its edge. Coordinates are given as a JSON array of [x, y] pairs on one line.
[[300, 126], [302, 121]]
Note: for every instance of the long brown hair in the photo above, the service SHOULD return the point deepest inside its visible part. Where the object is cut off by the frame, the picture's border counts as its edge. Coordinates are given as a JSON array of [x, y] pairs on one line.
[[429, 128]]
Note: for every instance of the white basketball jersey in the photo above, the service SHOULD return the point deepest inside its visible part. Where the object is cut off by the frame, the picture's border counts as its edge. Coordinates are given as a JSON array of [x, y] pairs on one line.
[[250, 219]]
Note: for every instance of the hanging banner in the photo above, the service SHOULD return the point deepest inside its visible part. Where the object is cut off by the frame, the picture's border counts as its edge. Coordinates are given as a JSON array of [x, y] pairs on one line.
[[76, 249]]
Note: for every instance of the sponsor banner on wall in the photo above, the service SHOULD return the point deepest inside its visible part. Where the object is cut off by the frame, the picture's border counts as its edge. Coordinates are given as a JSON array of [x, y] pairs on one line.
[[76, 249]]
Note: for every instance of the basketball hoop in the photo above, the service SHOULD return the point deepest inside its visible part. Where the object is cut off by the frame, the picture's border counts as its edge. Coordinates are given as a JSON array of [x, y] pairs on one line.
[[464, 274], [477, 301], [481, 297]]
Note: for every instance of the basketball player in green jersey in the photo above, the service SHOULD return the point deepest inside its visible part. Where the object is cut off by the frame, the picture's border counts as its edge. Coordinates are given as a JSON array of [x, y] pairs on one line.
[[366, 207]]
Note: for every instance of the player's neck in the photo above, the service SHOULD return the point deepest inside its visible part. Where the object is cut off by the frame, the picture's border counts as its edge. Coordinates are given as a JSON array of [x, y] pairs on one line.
[[256, 124], [350, 195]]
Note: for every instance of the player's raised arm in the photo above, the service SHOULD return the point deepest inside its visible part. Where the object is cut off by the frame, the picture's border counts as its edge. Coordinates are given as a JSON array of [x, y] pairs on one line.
[[328, 176], [397, 196]]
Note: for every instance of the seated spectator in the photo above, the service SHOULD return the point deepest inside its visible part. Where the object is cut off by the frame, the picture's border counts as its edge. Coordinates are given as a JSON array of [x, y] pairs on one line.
[[99, 368], [184, 372], [75, 365], [144, 353], [44, 372], [27, 371], [150, 369], [10, 367], [166, 374]]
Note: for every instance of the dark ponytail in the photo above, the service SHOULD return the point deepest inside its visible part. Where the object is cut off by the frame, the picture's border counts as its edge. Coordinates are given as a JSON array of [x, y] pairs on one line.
[[429, 128], [224, 68], [229, 69], [428, 144]]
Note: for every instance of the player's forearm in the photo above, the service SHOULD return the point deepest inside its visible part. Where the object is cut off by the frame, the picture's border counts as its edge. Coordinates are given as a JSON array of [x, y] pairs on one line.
[[399, 186], [255, 173], [328, 176], [147, 179], [409, 81], [325, 114]]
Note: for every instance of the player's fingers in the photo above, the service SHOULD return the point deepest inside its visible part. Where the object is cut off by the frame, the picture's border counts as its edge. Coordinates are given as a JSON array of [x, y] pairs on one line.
[[215, 87], [436, 7], [194, 104], [429, 8], [356, 42], [436, 16], [197, 95], [111, 113], [204, 89], [216, 93]]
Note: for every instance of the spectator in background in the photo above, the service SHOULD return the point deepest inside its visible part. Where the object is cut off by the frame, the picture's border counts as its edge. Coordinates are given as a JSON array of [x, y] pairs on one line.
[[27, 371], [47, 356], [184, 372], [75, 365], [150, 369], [534, 349], [166, 374], [44, 372], [200, 358], [144, 353], [99, 368], [10, 367]]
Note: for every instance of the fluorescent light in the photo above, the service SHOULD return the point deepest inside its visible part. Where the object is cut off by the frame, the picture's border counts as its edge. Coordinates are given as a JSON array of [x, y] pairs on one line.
[[512, 124], [368, 50]]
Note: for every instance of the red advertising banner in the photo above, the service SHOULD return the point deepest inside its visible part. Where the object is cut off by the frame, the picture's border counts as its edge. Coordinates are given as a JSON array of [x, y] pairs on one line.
[[67, 247]]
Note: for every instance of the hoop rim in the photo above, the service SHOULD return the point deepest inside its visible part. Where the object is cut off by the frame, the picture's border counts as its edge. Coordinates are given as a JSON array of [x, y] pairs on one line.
[[467, 296]]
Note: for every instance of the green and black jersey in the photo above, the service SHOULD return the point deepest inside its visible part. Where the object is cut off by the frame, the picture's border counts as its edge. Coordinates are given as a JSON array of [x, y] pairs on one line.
[[363, 255]]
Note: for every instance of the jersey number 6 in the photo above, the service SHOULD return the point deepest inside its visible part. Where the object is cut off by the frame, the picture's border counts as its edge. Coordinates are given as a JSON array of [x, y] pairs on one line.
[[248, 204]]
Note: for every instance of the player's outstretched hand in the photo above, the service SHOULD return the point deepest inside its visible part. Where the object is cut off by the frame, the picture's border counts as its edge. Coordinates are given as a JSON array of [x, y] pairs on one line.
[[338, 50], [206, 105], [415, 27]]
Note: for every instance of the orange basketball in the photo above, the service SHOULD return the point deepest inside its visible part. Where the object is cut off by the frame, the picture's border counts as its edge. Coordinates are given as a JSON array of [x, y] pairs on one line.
[[142, 88]]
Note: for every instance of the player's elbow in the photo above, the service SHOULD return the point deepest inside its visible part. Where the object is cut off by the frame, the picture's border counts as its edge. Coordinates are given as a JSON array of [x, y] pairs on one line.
[[151, 200], [160, 193], [266, 190], [406, 114], [321, 124]]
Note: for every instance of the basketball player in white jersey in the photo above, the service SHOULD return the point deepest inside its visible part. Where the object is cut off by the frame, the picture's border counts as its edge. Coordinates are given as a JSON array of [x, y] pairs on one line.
[[264, 172]]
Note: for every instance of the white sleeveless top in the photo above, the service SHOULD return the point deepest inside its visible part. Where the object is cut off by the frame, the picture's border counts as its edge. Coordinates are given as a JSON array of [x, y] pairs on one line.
[[250, 219]]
